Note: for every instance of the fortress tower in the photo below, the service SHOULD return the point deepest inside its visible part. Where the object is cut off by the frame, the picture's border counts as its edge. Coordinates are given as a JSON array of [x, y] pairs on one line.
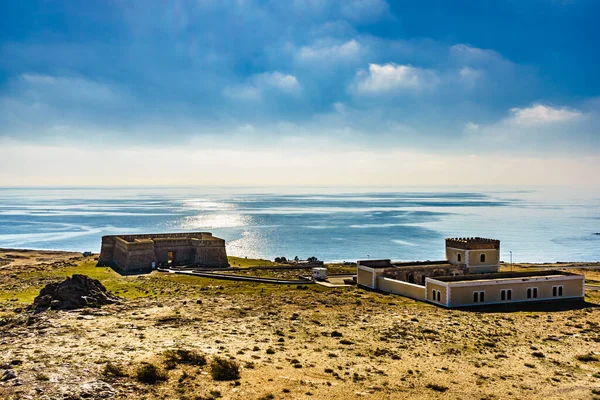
[[479, 255]]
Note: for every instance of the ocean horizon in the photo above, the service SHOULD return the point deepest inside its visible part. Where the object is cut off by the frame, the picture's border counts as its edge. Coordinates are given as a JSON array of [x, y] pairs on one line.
[[536, 224]]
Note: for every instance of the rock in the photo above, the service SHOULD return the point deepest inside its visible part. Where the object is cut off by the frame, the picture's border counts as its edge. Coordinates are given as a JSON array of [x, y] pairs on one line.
[[77, 291], [43, 301], [8, 375]]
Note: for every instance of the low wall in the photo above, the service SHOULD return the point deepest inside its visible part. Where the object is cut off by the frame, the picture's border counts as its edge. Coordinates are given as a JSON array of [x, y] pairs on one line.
[[406, 289]]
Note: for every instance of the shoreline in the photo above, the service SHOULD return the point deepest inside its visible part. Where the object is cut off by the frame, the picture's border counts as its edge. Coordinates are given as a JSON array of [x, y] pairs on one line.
[[559, 264]]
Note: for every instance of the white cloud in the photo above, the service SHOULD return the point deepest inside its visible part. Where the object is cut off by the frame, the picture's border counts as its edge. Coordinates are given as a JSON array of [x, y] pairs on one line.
[[466, 53], [283, 82], [242, 92], [393, 77], [330, 52], [260, 83], [540, 114], [472, 127], [51, 88], [469, 76]]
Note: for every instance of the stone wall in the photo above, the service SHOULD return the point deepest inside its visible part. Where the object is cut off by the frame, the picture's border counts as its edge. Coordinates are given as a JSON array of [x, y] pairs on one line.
[[138, 252], [417, 274]]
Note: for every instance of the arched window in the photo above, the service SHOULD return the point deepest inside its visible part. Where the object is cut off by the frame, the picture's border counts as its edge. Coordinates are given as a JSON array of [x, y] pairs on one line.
[[482, 258], [459, 257]]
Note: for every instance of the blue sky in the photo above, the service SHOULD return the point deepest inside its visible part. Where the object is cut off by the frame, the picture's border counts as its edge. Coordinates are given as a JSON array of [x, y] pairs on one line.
[[330, 92]]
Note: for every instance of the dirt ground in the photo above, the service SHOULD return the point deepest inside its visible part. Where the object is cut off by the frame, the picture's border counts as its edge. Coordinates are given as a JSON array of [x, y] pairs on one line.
[[290, 341]]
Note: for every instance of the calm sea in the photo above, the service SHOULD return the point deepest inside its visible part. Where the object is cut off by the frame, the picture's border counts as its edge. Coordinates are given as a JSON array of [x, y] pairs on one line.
[[539, 224]]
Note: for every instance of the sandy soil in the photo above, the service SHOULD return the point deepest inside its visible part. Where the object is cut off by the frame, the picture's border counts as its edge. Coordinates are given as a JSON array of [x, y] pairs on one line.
[[290, 342]]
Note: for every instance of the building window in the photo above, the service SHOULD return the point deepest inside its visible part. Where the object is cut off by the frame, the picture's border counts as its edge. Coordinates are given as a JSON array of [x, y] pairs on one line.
[[557, 291], [506, 294], [436, 295], [482, 258], [440, 293], [459, 257], [478, 297], [532, 293]]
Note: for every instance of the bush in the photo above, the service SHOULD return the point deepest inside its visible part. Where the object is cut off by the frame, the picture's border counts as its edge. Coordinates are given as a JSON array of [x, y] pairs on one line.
[[222, 369], [113, 371], [587, 358], [270, 351], [538, 354], [437, 388], [179, 356], [149, 374], [336, 334]]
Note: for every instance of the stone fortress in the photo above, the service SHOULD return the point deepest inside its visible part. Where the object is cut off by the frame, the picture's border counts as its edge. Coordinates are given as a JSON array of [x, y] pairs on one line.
[[469, 276], [463, 256], [139, 253]]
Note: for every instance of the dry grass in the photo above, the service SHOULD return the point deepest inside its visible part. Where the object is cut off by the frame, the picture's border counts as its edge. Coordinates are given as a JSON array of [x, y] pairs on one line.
[[288, 343]]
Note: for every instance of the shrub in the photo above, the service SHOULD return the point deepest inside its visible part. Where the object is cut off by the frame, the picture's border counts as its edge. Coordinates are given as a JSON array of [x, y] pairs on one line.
[[270, 351], [149, 374], [538, 354], [587, 358], [222, 369], [42, 377], [113, 371], [336, 334], [437, 388], [179, 356], [346, 342]]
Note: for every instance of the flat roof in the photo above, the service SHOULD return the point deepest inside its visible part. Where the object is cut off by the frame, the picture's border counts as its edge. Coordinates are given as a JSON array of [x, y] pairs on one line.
[[400, 264], [502, 275]]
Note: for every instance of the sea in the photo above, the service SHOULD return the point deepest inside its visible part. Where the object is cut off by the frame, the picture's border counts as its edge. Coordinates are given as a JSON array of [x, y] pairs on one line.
[[534, 224]]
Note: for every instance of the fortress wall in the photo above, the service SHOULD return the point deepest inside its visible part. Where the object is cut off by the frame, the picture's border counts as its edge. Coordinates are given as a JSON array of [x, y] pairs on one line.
[[120, 257], [406, 289], [211, 256], [132, 252], [107, 251], [183, 254], [419, 273], [154, 236]]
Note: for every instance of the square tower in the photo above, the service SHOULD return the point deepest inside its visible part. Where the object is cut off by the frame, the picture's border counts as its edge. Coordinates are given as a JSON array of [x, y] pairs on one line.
[[479, 255]]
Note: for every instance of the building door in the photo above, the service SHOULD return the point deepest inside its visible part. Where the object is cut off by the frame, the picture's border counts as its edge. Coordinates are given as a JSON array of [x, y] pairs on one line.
[[171, 257]]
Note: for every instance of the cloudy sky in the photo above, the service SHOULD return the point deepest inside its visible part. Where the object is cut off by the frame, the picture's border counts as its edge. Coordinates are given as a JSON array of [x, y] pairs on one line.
[[299, 92]]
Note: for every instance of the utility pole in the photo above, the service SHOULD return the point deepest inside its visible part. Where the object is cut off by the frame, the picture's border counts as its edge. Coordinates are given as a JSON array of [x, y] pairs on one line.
[[510, 261]]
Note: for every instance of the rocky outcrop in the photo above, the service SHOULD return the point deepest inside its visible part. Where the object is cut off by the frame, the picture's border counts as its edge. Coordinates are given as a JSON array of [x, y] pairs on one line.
[[75, 292]]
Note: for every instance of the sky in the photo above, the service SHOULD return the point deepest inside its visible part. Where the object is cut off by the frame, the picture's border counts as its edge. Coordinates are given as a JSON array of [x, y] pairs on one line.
[[299, 92]]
